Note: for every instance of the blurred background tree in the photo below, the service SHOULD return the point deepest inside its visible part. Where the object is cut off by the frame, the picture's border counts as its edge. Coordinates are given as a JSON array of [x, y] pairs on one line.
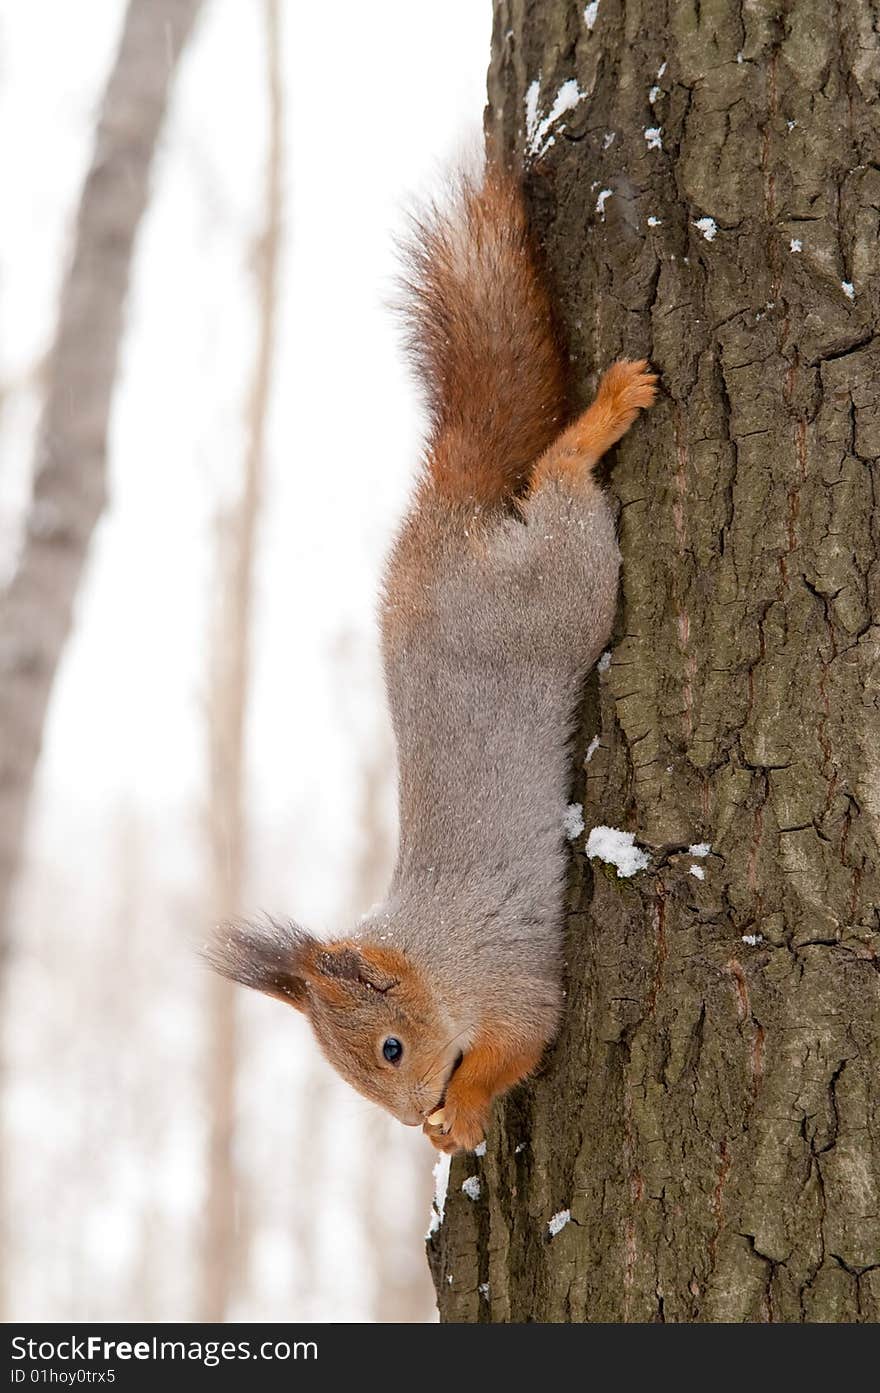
[[203, 720], [69, 484], [225, 1236]]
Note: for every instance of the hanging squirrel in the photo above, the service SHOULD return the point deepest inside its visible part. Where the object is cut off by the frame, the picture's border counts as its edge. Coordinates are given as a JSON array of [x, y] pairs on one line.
[[498, 598]]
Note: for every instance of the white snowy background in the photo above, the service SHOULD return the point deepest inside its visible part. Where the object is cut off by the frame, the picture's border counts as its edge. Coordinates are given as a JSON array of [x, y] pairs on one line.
[[103, 1115]]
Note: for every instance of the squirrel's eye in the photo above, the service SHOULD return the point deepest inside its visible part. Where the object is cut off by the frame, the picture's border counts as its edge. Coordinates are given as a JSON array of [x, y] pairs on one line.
[[393, 1050]]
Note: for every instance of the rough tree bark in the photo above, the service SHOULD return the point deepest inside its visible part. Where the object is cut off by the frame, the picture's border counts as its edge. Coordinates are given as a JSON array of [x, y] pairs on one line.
[[222, 1242], [710, 1114]]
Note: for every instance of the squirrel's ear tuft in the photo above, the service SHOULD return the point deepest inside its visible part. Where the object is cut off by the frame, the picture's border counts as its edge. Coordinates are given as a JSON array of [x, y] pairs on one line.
[[268, 956]]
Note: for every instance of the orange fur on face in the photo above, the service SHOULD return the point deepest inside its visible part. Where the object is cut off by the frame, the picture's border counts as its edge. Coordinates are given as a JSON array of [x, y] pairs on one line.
[[372, 965], [332, 970], [410, 986], [387, 962], [360, 992]]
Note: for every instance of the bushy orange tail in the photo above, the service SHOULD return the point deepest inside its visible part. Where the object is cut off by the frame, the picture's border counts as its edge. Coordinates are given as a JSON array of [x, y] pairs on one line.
[[481, 334]]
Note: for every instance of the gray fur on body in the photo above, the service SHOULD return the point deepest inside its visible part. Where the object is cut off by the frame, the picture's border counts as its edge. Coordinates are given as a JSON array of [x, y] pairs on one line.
[[484, 667]]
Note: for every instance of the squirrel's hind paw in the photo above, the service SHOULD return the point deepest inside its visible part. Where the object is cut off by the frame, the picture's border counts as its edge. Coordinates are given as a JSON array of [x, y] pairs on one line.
[[627, 387]]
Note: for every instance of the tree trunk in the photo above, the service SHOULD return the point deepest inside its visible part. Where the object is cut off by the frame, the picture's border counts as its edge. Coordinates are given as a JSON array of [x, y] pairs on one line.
[[709, 1117], [223, 1248]]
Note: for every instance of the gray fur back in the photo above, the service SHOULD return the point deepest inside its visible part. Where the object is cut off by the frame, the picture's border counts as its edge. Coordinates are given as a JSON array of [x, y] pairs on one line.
[[485, 655]]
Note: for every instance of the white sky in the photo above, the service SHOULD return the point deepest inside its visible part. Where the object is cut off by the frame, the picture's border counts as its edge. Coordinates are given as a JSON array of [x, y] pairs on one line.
[[378, 98]]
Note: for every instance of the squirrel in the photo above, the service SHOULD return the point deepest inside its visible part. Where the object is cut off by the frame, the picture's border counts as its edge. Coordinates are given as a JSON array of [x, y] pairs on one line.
[[498, 598]]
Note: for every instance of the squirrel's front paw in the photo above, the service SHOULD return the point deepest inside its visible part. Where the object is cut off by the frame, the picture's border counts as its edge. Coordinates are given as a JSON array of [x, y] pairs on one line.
[[456, 1128]]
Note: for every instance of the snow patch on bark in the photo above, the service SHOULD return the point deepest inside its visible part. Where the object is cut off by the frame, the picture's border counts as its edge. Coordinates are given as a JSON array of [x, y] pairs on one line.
[[617, 849]]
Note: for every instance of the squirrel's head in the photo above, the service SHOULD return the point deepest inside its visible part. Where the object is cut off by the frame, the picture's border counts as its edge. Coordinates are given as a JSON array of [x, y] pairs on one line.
[[372, 1015]]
